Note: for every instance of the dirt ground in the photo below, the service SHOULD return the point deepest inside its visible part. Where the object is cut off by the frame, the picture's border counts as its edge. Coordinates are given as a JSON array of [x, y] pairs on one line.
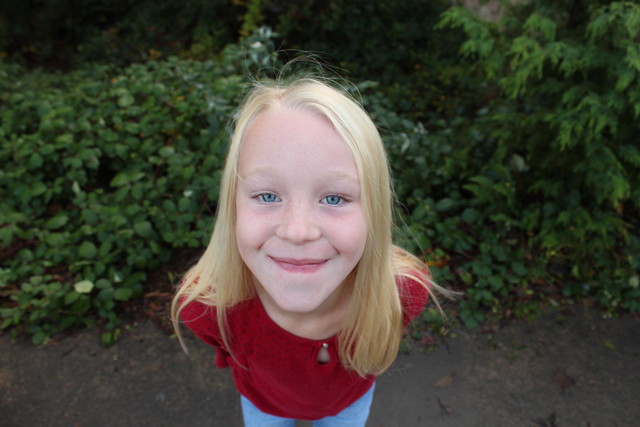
[[569, 368]]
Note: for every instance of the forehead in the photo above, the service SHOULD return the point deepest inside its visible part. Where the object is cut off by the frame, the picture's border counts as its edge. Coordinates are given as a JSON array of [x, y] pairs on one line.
[[280, 137]]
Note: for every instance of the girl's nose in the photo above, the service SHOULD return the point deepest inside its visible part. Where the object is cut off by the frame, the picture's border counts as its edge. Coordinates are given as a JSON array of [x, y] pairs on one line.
[[298, 225]]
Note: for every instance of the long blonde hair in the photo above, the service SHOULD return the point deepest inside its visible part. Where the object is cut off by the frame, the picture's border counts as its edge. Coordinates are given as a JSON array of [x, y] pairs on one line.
[[373, 326]]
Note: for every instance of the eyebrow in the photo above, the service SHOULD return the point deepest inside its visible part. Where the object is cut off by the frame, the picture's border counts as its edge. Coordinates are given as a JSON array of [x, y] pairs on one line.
[[263, 171], [341, 176], [268, 172]]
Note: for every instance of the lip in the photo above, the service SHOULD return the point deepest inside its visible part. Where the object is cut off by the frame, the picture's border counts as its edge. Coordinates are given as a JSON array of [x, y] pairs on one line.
[[299, 265]]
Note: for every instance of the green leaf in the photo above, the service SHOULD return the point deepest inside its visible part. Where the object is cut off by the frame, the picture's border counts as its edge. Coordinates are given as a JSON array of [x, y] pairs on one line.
[[103, 284], [120, 180], [109, 338], [481, 269], [87, 250], [470, 215], [81, 306], [123, 294], [106, 294], [65, 139], [38, 338], [8, 312], [184, 204], [6, 235], [56, 240], [496, 282], [125, 100], [83, 287], [71, 297], [35, 161], [143, 229], [137, 192], [37, 189], [519, 268], [471, 318], [105, 248], [56, 222], [166, 151], [67, 322], [132, 127], [446, 204]]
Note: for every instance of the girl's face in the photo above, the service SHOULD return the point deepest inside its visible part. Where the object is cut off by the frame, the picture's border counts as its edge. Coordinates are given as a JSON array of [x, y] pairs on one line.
[[300, 223]]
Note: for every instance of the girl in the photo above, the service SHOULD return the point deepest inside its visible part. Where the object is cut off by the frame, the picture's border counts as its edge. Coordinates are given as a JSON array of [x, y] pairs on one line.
[[301, 290]]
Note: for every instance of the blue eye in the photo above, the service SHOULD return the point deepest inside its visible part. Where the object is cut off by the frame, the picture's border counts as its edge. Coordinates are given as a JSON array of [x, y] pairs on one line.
[[268, 197], [333, 200]]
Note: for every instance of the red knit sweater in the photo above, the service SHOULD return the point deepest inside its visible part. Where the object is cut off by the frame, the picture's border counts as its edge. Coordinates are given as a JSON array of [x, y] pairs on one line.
[[278, 371]]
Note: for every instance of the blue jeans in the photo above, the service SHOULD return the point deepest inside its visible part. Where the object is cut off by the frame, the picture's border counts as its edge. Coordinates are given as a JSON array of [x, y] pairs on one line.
[[353, 416]]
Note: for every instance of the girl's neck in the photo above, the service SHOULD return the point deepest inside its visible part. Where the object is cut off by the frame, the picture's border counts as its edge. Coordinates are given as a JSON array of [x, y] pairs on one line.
[[322, 323]]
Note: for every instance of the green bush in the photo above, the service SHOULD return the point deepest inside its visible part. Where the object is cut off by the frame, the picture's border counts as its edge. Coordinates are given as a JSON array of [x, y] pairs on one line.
[[105, 171], [530, 191], [561, 160], [392, 43], [515, 163]]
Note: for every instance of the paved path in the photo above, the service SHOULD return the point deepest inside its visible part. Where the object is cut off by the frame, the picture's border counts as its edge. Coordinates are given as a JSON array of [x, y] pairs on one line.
[[575, 369]]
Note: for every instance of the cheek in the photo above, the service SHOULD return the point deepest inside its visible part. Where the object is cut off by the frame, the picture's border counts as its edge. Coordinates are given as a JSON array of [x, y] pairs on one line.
[[252, 230], [351, 239], [245, 230]]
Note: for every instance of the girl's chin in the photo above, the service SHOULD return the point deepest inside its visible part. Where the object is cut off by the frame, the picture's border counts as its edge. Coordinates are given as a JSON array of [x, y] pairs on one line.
[[297, 306], [299, 298]]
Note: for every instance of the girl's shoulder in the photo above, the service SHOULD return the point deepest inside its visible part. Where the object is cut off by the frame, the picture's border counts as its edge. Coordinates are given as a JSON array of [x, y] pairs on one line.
[[201, 317], [413, 289]]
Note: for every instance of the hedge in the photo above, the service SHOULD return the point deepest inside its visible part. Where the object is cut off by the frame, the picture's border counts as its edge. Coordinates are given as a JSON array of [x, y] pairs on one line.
[[516, 163], [105, 172]]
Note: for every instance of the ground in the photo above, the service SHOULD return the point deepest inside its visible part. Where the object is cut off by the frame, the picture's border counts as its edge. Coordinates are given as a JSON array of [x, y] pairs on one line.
[[569, 367]]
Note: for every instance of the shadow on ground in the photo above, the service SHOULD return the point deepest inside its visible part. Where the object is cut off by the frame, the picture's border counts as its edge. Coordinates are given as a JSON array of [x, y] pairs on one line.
[[571, 369]]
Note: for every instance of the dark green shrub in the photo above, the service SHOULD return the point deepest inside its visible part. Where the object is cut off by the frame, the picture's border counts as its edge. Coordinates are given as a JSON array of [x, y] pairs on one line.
[[105, 171], [561, 165], [392, 43], [530, 192]]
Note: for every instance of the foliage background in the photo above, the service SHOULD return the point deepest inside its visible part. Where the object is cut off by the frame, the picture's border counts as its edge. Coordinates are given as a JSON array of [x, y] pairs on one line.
[[513, 143]]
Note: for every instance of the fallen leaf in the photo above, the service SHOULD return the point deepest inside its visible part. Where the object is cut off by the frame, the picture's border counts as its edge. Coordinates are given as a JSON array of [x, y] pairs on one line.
[[444, 382], [564, 380]]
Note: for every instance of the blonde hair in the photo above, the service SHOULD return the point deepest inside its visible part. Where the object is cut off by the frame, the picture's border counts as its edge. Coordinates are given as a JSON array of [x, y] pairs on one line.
[[373, 328]]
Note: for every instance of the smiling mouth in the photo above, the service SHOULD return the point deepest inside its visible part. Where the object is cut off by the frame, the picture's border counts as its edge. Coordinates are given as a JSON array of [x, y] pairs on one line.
[[300, 265]]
